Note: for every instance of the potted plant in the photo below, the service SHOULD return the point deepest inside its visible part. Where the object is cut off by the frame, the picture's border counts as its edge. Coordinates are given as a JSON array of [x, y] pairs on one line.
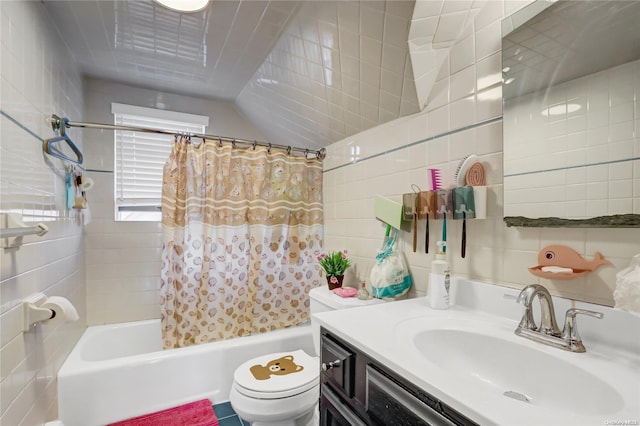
[[334, 264]]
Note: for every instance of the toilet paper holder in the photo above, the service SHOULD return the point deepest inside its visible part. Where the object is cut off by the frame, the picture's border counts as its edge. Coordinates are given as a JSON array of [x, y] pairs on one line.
[[33, 313], [36, 309]]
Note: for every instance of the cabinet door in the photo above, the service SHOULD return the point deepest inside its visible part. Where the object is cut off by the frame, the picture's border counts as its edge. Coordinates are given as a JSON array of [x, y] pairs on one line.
[[337, 363], [388, 404], [334, 412]]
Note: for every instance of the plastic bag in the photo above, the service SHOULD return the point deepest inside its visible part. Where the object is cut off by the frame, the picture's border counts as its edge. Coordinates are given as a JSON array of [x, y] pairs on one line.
[[390, 275], [627, 292]]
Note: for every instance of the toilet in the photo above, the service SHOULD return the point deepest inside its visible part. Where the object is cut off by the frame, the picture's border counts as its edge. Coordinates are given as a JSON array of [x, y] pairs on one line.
[[264, 390]]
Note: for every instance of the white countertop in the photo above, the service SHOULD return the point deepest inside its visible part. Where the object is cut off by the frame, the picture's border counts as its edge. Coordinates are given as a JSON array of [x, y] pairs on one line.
[[386, 332]]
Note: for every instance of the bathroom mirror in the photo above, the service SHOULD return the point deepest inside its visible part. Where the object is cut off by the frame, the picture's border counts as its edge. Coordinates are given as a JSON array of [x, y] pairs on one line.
[[571, 114]]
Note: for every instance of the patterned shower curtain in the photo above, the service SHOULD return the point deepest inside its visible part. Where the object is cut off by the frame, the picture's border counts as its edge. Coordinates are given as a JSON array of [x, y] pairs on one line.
[[242, 229]]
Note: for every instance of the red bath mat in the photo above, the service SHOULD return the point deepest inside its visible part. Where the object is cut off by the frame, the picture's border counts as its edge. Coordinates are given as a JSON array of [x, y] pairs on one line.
[[199, 413]]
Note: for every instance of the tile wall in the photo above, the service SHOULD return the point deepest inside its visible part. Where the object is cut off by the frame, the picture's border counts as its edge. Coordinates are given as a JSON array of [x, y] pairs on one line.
[[37, 78], [463, 117], [123, 258], [340, 67], [589, 120]]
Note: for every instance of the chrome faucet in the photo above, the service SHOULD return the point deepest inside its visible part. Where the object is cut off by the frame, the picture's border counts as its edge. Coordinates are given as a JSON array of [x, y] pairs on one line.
[[548, 332], [548, 316]]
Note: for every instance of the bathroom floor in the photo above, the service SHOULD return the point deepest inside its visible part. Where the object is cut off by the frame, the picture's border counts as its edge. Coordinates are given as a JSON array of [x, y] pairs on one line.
[[226, 415]]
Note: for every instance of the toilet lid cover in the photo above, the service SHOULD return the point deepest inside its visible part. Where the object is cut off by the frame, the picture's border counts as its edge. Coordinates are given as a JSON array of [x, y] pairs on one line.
[[277, 375]]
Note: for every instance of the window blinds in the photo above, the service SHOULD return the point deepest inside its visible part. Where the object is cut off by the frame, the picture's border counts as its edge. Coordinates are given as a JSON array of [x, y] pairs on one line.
[[140, 158]]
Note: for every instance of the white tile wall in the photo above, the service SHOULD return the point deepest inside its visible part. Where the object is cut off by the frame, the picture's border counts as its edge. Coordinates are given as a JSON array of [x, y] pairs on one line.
[[123, 258], [435, 26], [570, 126], [37, 78], [495, 253], [334, 55]]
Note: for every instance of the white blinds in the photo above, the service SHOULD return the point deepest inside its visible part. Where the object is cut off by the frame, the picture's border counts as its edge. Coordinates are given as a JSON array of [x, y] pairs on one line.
[[140, 157]]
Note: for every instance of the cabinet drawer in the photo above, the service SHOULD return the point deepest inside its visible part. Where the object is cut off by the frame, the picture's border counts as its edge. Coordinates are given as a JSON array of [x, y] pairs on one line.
[[388, 403], [338, 364], [334, 412]]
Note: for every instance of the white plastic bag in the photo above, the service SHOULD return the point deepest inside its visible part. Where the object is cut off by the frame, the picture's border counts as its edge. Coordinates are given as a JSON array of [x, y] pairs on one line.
[[390, 275], [627, 292]]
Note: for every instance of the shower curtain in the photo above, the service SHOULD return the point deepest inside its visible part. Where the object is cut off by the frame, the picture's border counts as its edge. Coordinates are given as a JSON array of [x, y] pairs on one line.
[[242, 229]]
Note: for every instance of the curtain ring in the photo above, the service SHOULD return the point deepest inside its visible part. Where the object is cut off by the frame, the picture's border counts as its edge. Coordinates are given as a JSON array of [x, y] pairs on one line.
[[204, 139], [219, 141], [233, 143], [175, 137], [254, 145], [306, 152], [289, 150], [269, 148]]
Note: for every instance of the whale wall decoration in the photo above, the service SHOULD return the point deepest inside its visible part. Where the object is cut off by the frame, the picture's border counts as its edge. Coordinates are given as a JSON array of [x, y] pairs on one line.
[[558, 262]]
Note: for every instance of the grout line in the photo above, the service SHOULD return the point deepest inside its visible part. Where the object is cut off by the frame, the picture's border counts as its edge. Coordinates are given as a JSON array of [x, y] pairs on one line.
[[409, 145], [98, 171], [601, 163], [22, 126]]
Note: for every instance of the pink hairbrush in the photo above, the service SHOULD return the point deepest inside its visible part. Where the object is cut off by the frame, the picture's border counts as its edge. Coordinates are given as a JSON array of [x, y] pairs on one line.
[[436, 184], [436, 180]]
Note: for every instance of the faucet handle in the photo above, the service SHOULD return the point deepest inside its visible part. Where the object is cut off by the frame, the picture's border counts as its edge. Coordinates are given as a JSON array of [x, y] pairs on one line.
[[575, 311], [570, 330]]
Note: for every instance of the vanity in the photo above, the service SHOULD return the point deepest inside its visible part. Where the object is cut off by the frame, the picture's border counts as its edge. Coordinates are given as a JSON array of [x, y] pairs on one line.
[[404, 363], [356, 390]]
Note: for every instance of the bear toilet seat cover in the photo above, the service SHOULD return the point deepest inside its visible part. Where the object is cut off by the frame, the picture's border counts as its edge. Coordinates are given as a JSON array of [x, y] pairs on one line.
[[278, 374]]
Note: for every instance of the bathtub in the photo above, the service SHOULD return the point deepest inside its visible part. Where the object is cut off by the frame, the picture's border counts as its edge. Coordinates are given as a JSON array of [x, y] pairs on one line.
[[120, 371]]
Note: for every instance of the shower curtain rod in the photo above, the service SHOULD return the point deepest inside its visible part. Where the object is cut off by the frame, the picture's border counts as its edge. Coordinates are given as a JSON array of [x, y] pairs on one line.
[[56, 123]]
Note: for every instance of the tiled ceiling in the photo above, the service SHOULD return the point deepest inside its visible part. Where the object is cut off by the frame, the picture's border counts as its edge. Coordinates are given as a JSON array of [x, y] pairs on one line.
[[211, 53], [305, 73]]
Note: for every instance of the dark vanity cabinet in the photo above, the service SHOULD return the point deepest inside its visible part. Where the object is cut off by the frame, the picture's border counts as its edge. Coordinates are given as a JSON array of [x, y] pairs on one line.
[[355, 391]]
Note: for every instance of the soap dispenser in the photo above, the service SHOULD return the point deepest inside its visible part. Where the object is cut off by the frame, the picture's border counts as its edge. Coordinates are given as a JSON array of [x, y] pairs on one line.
[[363, 293], [439, 279]]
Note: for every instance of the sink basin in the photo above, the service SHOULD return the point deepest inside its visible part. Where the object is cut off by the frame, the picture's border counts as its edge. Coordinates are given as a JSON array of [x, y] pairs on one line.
[[502, 365]]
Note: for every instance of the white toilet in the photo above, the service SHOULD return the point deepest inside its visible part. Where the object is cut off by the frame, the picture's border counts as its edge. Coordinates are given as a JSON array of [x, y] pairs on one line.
[[265, 393]]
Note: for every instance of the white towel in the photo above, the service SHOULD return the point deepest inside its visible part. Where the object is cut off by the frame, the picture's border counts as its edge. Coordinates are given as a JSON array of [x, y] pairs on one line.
[[557, 269]]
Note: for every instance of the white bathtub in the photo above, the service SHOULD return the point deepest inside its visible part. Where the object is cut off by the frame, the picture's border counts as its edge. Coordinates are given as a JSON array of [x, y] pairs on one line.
[[120, 371]]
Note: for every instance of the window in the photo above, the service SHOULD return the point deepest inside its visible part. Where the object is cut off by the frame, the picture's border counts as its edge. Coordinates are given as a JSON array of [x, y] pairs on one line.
[[140, 158]]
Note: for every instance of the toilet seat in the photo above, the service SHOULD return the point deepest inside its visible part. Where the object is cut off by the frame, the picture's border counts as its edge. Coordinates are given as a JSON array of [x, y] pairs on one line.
[[273, 383]]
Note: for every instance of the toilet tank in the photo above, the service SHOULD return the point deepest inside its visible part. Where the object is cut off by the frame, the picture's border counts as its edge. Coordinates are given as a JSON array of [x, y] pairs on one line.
[[323, 299]]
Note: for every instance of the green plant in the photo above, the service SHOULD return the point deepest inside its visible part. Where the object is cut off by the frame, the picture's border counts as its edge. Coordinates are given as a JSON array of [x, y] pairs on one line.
[[334, 263]]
